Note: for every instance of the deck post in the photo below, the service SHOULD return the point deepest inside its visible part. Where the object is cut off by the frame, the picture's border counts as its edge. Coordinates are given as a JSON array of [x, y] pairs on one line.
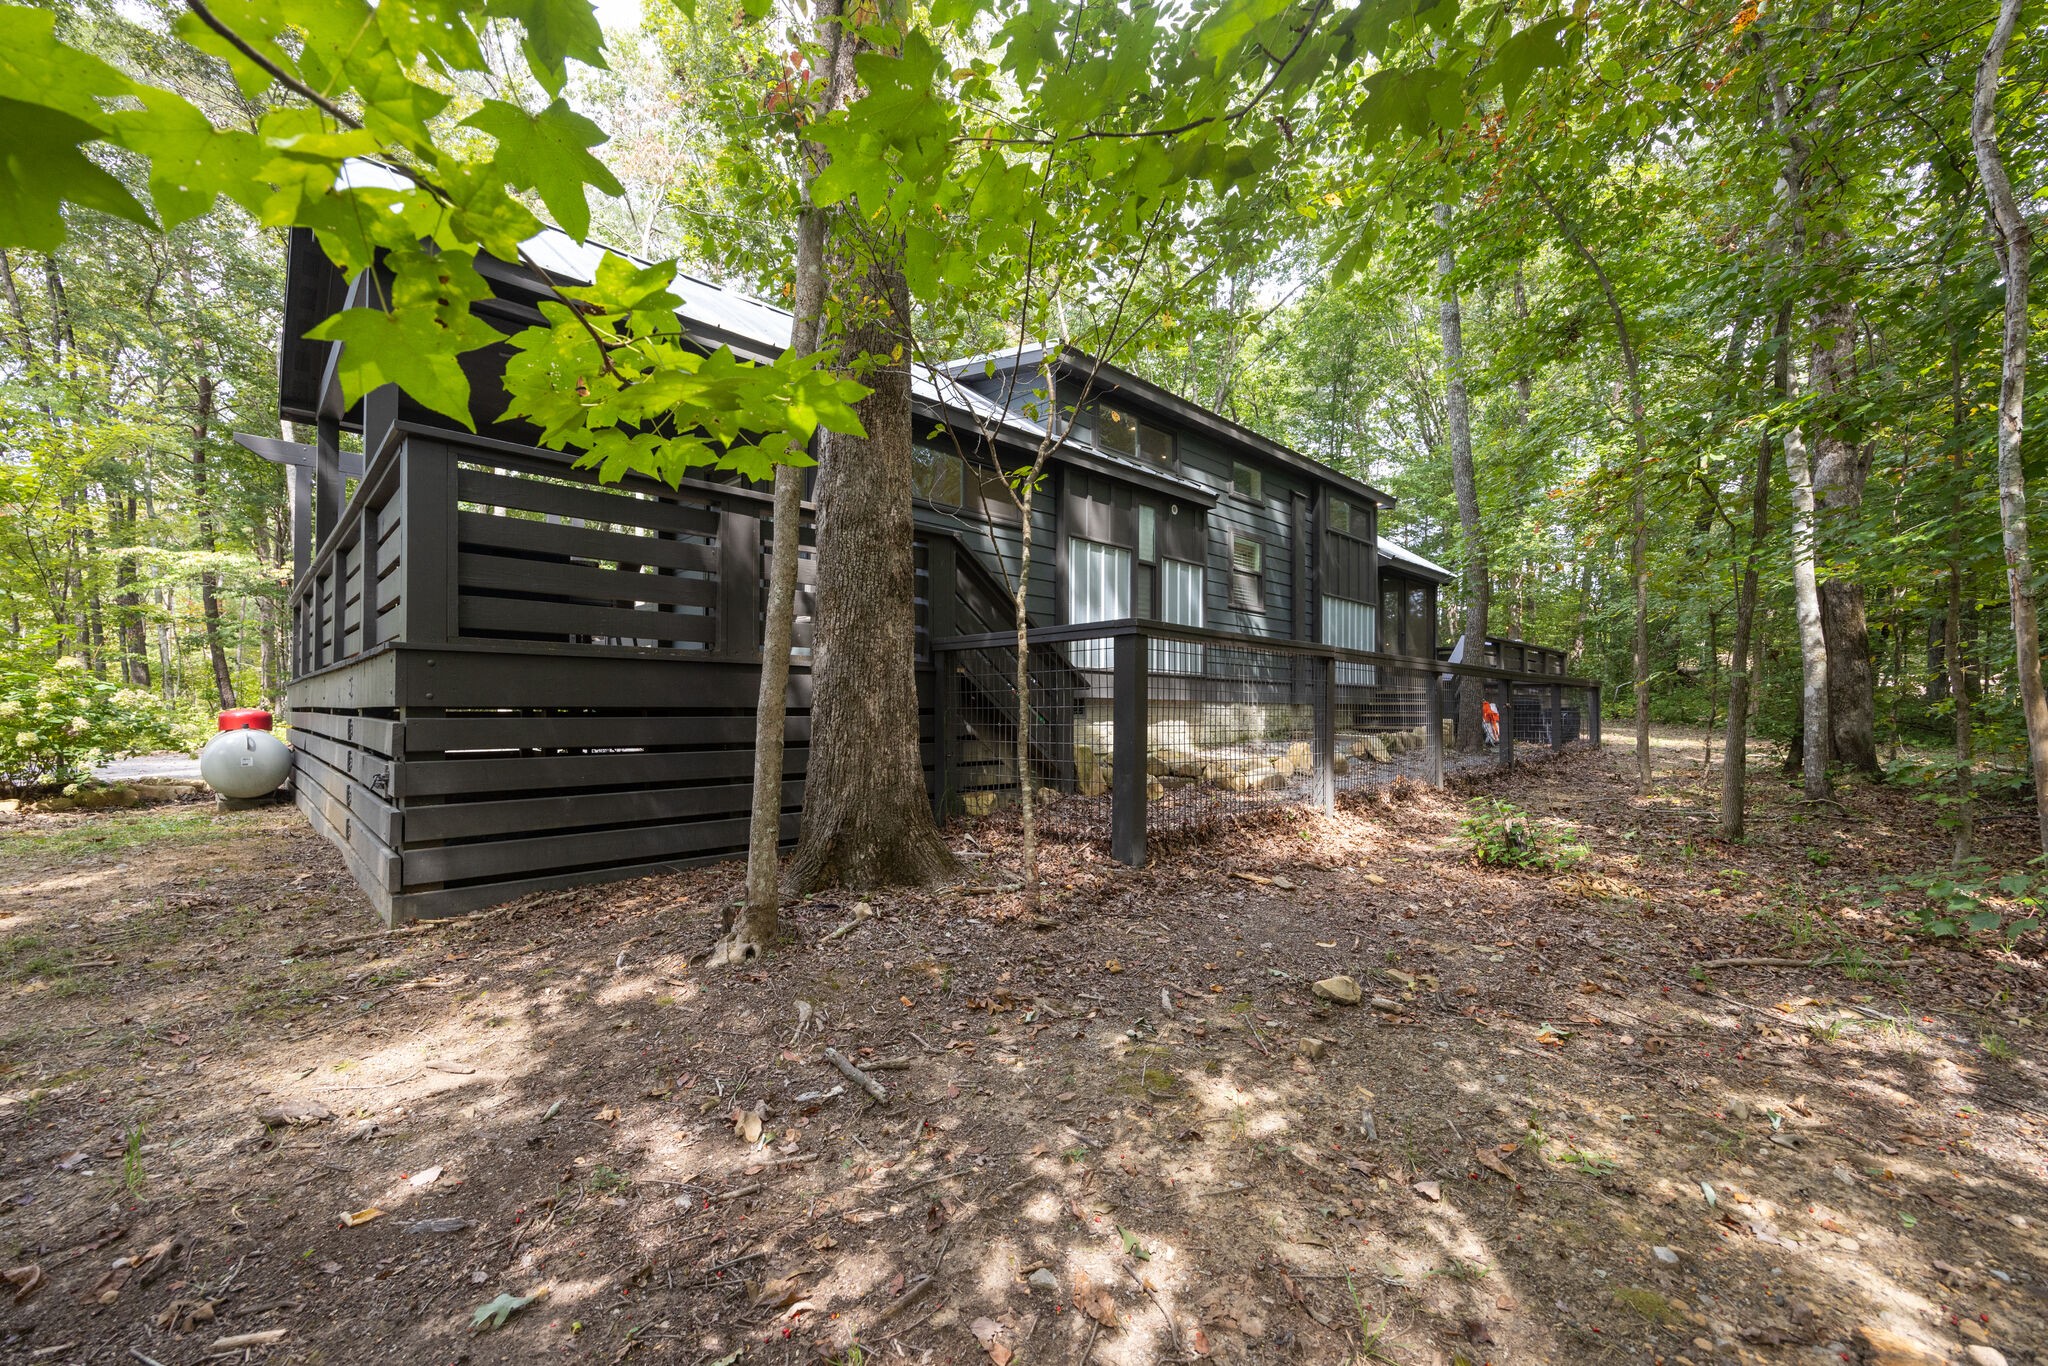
[[1557, 716], [1593, 716], [1507, 723], [1130, 712], [427, 566], [327, 486], [741, 597], [1325, 703], [1433, 713]]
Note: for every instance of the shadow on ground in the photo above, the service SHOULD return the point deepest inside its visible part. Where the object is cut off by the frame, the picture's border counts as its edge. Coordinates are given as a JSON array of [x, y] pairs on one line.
[[1135, 1136]]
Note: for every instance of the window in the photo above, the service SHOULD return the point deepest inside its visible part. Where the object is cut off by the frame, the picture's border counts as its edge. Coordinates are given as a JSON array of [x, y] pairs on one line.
[[938, 476], [1340, 516], [1247, 573], [1180, 604], [1148, 533], [1246, 483], [1351, 626], [1421, 626], [1122, 432], [1098, 589]]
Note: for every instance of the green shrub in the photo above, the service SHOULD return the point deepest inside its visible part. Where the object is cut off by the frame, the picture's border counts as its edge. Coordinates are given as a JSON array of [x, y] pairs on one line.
[[1505, 836], [1972, 899], [55, 726]]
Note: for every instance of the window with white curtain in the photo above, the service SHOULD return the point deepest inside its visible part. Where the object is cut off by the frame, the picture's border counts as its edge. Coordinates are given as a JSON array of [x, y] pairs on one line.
[[1098, 589], [1180, 604], [1351, 626]]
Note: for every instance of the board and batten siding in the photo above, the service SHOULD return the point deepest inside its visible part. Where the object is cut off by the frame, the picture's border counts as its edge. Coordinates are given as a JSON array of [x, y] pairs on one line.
[[1269, 520]]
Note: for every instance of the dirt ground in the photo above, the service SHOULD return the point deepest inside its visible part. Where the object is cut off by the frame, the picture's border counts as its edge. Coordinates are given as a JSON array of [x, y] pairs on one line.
[[1124, 1132]]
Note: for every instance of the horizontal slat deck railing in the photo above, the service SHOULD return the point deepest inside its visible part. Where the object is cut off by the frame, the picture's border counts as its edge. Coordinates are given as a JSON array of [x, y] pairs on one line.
[[541, 680], [1179, 729]]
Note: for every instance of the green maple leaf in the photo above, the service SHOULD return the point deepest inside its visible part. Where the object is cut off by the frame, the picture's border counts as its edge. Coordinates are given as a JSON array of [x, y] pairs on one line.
[[42, 166], [191, 163], [549, 153], [556, 30], [412, 348]]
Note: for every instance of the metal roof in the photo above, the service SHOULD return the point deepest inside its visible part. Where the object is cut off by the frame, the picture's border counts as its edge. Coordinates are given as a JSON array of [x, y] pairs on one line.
[[1409, 560]]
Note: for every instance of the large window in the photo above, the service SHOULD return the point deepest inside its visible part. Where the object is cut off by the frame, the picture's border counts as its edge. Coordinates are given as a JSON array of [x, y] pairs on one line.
[[1180, 604], [1098, 589], [939, 477], [1122, 431], [1351, 626]]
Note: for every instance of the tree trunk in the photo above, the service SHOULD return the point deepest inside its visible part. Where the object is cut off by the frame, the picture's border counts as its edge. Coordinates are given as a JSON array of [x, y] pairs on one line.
[[1841, 467], [209, 579], [1735, 746], [1638, 506], [1478, 575], [867, 816], [760, 919], [2013, 240], [1813, 650]]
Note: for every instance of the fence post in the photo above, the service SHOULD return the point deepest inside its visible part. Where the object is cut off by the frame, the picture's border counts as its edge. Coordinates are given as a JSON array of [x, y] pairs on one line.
[[1433, 711], [1130, 712], [1325, 704], [1557, 716], [942, 731], [1507, 723], [1593, 717]]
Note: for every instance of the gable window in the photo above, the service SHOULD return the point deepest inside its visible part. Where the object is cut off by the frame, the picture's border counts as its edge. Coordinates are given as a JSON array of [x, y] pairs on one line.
[[1340, 516], [1246, 482], [1247, 573], [1098, 589], [1119, 430]]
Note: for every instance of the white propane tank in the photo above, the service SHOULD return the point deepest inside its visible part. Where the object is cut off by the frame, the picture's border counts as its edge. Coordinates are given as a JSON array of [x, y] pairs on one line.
[[245, 763]]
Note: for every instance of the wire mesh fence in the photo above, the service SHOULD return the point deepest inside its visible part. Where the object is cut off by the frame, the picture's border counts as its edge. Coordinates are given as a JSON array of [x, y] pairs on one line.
[[1138, 730]]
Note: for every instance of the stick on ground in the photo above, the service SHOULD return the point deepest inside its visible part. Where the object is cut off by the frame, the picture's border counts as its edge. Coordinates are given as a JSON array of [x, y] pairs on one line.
[[856, 1076]]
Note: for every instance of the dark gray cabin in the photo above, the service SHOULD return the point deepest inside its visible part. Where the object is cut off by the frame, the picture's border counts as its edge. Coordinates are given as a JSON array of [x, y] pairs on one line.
[[507, 676]]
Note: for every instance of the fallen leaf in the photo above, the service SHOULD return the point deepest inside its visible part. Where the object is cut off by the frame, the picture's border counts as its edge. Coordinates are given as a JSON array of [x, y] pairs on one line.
[[425, 1178], [1429, 1190], [1493, 1164], [361, 1216], [746, 1124], [773, 1294], [1094, 1300], [26, 1280], [502, 1308], [295, 1113]]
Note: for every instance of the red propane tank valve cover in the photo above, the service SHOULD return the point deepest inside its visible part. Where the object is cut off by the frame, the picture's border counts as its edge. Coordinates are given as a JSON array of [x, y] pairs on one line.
[[245, 718]]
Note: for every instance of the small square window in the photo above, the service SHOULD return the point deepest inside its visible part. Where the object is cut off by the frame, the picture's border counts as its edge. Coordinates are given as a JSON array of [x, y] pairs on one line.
[[1155, 445], [1340, 516], [1246, 482]]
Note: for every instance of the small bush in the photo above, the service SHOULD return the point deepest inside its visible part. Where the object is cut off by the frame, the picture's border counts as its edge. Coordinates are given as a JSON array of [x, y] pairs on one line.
[[55, 726], [1972, 899], [1505, 836]]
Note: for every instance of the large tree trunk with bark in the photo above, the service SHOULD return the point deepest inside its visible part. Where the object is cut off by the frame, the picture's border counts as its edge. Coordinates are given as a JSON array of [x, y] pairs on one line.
[[1735, 746], [1458, 424], [1841, 467], [867, 816], [1813, 649], [2014, 241], [759, 921]]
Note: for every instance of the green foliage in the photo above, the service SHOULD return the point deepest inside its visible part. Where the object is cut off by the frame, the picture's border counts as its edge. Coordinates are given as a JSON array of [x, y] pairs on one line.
[[55, 726], [1505, 836], [1969, 900]]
